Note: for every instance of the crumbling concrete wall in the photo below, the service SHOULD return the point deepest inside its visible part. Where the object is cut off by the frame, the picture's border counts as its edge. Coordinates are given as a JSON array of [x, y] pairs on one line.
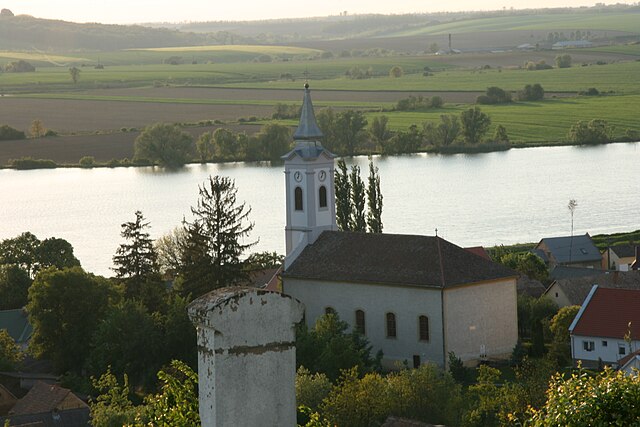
[[246, 357]]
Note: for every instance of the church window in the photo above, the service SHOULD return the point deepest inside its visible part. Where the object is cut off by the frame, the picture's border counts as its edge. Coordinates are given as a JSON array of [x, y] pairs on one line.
[[322, 196], [329, 310], [391, 325], [423, 325], [298, 198], [360, 325]]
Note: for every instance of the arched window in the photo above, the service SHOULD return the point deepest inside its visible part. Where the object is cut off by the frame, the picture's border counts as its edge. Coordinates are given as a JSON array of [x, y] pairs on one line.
[[322, 196], [360, 325], [298, 198], [391, 325], [329, 310], [423, 324]]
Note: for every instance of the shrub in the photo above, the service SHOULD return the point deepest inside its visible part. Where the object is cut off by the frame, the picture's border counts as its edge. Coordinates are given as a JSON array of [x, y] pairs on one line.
[[531, 93], [414, 103], [592, 91], [50, 132], [87, 161], [396, 71], [540, 65], [8, 133], [632, 135], [494, 95], [437, 102], [595, 131], [19, 67], [563, 61], [31, 163]]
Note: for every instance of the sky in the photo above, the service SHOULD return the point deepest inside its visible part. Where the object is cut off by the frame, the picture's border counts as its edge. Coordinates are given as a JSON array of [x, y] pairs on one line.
[[135, 11]]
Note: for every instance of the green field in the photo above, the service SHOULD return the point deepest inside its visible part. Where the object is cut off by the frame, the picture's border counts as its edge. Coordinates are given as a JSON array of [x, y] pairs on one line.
[[606, 21], [540, 122], [620, 77]]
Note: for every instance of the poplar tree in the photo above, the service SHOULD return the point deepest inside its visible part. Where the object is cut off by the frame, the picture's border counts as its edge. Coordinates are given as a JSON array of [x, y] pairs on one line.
[[358, 220], [343, 196], [374, 200]]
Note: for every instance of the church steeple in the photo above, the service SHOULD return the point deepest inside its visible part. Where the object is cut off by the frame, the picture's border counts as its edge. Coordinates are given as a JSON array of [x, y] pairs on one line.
[[310, 192], [308, 128]]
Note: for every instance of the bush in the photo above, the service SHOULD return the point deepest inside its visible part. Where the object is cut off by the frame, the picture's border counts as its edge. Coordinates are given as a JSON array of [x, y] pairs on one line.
[[632, 135], [8, 133], [396, 71], [592, 91], [31, 163], [531, 93], [414, 103], [437, 102], [19, 67], [494, 95], [595, 131], [563, 61], [87, 161], [358, 73], [540, 65]]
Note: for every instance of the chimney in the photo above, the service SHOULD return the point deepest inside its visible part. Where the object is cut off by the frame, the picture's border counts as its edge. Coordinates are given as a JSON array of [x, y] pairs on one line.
[[246, 357]]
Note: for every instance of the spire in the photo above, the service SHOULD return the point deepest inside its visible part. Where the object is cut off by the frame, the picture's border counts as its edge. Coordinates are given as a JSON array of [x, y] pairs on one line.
[[308, 128]]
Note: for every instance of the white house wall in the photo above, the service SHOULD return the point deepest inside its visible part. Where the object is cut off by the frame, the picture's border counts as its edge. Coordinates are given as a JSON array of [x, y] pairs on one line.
[[608, 354], [481, 319], [407, 303]]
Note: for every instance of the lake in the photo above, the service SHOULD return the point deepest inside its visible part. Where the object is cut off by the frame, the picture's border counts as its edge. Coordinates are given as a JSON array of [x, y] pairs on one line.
[[513, 196]]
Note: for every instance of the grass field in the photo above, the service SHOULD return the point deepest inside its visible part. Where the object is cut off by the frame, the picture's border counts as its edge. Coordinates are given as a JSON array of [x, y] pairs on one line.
[[541, 122], [606, 21], [620, 77], [41, 57]]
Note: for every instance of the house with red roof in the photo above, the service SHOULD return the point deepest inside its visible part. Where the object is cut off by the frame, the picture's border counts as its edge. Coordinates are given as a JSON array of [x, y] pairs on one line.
[[607, 327]]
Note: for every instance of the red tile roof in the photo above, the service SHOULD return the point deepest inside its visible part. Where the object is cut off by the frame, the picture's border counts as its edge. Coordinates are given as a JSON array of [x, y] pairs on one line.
[[608, 313]]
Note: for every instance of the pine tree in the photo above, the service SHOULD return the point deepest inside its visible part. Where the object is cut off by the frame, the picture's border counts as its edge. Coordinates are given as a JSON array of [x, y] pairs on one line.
[[374, 200], [214, 242], [343, 196], [358, 200], [136, 263]]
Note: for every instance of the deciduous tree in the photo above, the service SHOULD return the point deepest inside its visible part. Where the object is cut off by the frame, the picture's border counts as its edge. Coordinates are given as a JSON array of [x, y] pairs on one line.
[[475, 125], [65, 307], [74, 72], [14, 287], [164, 144], [445, 132]]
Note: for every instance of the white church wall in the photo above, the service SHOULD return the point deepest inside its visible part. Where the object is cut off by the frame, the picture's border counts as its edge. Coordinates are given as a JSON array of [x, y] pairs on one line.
[[407, 303], [481, 318]]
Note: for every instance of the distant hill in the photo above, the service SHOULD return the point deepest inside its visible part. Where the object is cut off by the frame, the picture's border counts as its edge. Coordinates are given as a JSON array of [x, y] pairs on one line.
[[27, 32]]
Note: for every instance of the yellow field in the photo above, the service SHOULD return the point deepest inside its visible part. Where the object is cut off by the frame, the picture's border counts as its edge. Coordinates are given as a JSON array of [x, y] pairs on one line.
[[269, 50], [42, 57]]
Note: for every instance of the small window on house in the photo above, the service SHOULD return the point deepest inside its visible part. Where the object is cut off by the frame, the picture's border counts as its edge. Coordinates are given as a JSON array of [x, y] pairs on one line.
[[423, 326], [360, 325], [588, 345], [298, 198], [604, 343], [329, 310], [322, 196], [622, 349], [391, 325]]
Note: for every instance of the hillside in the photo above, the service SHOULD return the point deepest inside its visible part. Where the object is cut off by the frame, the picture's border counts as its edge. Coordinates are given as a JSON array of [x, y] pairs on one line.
[[26, 32]]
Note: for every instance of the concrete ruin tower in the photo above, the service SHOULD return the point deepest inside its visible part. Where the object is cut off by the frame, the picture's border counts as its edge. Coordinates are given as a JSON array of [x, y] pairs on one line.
[[246, 357], [310, 191]]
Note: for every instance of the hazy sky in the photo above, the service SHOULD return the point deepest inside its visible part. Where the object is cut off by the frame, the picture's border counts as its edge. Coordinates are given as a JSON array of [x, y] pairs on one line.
[[124, 11]]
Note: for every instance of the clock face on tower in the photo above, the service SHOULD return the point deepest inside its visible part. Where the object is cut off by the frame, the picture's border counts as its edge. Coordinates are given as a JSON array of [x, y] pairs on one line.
[[322, 175], [297, 176]]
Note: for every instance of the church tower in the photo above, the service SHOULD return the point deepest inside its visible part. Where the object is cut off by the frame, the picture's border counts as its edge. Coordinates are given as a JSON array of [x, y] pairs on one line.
[[310, 192]]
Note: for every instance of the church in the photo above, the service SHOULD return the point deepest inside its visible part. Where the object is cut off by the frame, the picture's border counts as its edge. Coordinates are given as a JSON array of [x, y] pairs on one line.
[[414, 297]]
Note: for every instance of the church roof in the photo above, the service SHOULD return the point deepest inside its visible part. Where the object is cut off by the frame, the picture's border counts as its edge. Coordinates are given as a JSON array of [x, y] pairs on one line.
[[393, 259], [308, 128]]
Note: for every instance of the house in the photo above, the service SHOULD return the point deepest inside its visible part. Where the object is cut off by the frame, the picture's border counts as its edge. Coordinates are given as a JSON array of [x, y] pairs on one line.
[[607, 327], [571, 44], [620, 257], [630, 364], [46, 398], [573, 291], [416, 298], [572, 251], [7, 400], [16, 322]]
